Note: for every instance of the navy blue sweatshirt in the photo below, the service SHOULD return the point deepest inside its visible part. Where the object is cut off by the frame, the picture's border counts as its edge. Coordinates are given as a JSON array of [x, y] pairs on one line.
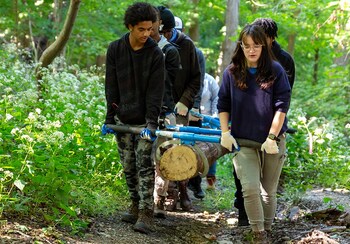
[[134, 82], [252, 110]]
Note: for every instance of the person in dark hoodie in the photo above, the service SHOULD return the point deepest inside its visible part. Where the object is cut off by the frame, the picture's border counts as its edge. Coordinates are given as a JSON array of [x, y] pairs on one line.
[[134, 87], [172, 65], [186, 87], [270, 28]]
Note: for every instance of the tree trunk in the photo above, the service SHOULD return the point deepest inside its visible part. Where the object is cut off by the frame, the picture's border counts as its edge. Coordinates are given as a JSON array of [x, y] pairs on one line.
[[291, 43], [194, 28], [58, 45], [228, 46]]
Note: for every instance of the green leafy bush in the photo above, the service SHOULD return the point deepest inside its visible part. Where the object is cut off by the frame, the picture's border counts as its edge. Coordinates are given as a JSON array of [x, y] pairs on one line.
[[54, 160]]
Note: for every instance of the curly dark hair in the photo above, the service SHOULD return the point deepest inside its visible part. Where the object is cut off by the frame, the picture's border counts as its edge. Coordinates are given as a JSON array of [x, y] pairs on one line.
[[269, 26], [239, 67], [139, 12]]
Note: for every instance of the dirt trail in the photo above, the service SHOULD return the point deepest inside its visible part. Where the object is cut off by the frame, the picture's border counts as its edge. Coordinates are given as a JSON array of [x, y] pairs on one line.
[[200, 226]]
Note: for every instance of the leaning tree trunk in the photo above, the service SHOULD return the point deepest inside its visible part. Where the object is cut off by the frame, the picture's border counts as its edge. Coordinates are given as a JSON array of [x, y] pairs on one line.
[[58, 45]]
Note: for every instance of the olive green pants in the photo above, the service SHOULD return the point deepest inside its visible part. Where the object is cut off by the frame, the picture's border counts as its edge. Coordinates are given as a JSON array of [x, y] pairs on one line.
[[259, 174]]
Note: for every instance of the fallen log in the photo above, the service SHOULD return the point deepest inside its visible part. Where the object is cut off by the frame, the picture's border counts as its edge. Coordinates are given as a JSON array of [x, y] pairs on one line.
[[177, 162]]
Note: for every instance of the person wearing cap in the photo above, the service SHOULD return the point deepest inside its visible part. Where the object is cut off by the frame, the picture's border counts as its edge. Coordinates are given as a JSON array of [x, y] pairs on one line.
[[134, 88], [187, 83], [194, 184], [172, 65]]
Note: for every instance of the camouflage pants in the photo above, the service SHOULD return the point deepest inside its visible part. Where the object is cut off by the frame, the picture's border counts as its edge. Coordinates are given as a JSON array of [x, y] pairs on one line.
[[135, 156]]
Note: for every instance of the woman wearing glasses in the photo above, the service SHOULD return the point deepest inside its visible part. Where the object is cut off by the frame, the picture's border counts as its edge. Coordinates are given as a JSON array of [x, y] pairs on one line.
[[254, 97]]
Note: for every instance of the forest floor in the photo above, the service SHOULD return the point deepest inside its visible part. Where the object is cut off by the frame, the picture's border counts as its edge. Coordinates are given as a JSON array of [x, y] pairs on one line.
[[313, 220]]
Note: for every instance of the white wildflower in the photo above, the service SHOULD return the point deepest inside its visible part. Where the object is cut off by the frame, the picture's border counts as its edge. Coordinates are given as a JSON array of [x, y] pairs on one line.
[[56, 124], [58, 134], [320, 141], [318, 131], [8, 117], [8, 173], [14, 131], [27, 138], [31, 116], [8, 89], [302, 119], [76, 122], [38, 110], [329, 136]]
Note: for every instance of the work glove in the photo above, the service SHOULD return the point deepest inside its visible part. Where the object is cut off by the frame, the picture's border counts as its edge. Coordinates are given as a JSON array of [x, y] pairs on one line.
[[146, 134], [170, 119], [194, 118], [227, 140], [181, 109], [105, 130], [270, 146]]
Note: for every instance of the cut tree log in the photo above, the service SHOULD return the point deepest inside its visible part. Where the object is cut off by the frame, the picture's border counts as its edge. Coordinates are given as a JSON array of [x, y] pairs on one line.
[[178, 162]]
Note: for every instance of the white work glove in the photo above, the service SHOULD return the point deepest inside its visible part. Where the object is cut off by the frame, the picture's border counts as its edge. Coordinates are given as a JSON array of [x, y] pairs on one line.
[[270, 146], [227, 140], [181, 109], [194, 118]]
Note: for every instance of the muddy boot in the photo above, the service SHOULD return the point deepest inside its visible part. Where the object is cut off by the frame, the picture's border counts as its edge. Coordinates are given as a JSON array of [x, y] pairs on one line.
[[144, 223], [132, 214], [260, 237], [171, 199], [185, 201], [159, 208]]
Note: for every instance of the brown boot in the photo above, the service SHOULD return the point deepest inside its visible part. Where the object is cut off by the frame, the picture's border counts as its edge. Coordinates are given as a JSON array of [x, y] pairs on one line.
[[185, 201], [171, 199], [132, 214], [260, 237], [144, 223], [159, 208]]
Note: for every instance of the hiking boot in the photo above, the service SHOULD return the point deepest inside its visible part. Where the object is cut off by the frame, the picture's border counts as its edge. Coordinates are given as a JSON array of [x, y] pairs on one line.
[[159, 208], [185, 201], [132, 214], [144, 223], [211, 182], [171, 199], [242, 218], [260, 237], [194, 184], [197, 191]]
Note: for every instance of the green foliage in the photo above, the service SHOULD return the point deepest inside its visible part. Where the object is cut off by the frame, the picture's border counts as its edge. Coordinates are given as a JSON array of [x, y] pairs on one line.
[[318, 155], [223, 197], [54, 161]]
